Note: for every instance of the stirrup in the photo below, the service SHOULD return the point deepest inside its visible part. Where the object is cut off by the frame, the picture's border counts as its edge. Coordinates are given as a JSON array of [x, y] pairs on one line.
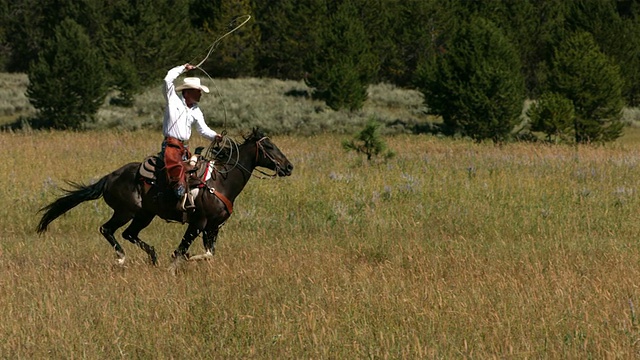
[[187, 202]]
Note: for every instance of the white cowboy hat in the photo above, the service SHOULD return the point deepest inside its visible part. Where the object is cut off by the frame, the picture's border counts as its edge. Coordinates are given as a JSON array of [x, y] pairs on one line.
[[192, 83]]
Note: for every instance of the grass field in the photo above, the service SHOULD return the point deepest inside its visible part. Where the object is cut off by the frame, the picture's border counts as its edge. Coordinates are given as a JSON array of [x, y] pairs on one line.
[[449, 250]]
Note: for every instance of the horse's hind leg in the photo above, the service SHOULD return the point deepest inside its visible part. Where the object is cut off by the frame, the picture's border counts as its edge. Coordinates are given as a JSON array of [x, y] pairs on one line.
[[109, 228], [141, 221]]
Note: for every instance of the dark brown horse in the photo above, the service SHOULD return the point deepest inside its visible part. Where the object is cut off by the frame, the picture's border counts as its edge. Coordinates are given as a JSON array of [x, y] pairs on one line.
[[131, 199]]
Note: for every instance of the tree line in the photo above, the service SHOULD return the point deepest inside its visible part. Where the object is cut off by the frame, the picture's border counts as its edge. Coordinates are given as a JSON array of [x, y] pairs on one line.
[[475, 61]]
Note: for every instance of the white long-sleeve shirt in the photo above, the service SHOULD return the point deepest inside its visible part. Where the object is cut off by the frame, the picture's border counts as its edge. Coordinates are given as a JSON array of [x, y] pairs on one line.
[[178, 117]]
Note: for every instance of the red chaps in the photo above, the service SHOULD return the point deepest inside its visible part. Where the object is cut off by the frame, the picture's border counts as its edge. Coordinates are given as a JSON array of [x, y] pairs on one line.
[[174, 155]]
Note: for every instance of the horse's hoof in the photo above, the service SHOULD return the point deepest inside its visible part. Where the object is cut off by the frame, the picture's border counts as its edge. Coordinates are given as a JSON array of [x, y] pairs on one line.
[[176, 264], [120, 261], [175, 255], [206, 256]]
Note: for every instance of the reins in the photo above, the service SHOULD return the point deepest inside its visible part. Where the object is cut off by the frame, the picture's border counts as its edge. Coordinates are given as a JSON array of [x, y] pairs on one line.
[[259, 146], [233, 158]]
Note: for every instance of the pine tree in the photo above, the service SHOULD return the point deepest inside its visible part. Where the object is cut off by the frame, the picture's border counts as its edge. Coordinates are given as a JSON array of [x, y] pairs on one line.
[[615, 27], [419, 31], [342, 65], [475, 84], [583, 74], [369, 142], [67, 83], [235, 54], [4, 43], [142, 39], [553, 115], [284, 29]]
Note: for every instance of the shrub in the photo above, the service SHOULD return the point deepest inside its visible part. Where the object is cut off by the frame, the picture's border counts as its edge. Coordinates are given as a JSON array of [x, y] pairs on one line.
[[553, 115], [368, 142]]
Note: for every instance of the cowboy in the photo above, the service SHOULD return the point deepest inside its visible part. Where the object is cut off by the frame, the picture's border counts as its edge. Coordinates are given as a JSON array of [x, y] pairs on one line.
[[181, 113]]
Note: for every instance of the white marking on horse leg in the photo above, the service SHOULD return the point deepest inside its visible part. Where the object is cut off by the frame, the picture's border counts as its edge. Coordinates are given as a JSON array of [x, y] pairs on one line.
[[120, 259], [206, 256]]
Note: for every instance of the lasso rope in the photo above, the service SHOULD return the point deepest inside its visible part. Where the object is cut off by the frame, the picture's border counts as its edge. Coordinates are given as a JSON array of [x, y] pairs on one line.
[[215, 43], [211, 48]]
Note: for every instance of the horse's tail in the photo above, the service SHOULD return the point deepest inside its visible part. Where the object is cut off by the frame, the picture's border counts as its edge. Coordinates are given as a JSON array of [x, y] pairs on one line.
[[80, 194]]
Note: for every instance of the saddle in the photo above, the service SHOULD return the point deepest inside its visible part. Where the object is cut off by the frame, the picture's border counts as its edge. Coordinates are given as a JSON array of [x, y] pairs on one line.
[[152, 169], [151, 173]]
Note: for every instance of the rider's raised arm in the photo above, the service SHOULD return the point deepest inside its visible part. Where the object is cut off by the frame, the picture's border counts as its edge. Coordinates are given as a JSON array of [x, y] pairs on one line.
[[168, 87]]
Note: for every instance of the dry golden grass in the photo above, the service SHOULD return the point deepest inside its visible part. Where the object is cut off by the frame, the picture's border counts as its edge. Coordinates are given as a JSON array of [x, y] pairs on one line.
[[450, 250]]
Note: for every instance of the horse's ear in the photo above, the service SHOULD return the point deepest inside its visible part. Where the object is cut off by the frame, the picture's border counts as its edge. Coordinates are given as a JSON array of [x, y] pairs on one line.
[[199, 150], [257, 133]]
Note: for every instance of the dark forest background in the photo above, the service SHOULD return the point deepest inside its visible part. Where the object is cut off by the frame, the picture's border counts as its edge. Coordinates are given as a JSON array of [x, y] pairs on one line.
[[515, 49]]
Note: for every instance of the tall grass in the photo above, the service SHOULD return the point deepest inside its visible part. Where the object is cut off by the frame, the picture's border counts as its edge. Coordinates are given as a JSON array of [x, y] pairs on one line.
[[450, 250]]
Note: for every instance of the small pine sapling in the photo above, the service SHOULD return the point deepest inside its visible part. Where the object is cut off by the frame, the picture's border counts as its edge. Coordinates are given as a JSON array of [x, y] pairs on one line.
[[369, 142]]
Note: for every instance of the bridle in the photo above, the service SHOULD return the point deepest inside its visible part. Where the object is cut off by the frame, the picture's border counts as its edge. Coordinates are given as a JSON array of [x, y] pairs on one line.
[[260, 146]]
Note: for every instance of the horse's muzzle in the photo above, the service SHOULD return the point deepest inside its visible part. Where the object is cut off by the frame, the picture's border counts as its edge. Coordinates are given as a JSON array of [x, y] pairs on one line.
[[285, 170]]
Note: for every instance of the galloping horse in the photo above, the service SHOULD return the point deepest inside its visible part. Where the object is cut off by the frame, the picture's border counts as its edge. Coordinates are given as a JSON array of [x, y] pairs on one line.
[[131, 199]]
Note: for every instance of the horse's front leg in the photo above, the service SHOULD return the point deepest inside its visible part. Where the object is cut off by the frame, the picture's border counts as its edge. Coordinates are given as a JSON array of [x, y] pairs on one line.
[[180, 254], [191, 234], [209, 237], [209, 240]]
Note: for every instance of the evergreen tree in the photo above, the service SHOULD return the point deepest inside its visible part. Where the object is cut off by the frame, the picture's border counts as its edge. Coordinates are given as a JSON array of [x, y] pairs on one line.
[[141, 40], [369, 142], [615, 29], [475, 84], [583, 74], [235, 54], [285, 28], [5, 52], [532, 26], [627, 58], [29, 22], [341, 67], [554, 116], [67, 83], [380, 21]]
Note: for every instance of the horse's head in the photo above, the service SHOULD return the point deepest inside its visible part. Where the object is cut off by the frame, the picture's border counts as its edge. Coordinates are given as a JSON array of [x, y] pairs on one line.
[[268, 155]]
